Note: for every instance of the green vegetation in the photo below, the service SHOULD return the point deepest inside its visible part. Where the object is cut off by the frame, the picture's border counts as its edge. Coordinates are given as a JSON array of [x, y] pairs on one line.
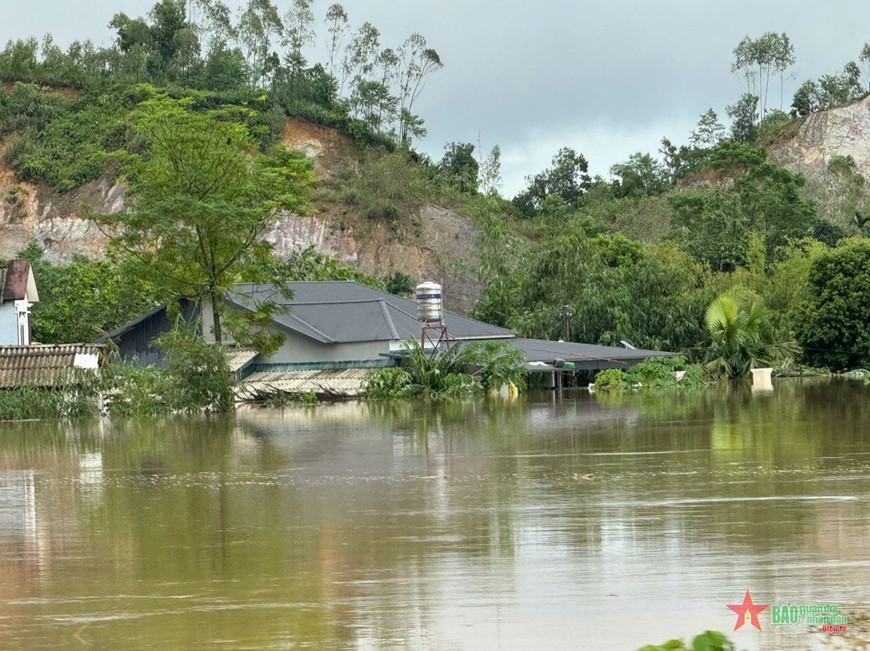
[[462, 369], [833, 325], [654, 373], [195, 377], [188, 109], [200, 203], [706, 641], [85, 299], [741, 338]]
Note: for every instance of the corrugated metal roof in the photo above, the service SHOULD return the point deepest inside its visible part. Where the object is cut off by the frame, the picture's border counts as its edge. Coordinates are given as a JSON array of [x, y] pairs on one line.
[[44, 365], [346, 382], [238, 358], [585, 356], [345, 311]]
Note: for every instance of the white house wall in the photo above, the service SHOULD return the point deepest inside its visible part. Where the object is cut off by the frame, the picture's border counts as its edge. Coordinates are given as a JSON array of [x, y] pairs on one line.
[[8, 324], [299, 349]]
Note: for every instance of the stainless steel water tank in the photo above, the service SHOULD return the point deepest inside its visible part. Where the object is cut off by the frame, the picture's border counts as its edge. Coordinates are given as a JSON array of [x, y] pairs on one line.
[[429, 302]]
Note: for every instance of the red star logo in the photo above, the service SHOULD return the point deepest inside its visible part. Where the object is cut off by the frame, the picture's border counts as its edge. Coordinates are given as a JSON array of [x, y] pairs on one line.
[[747, 610]]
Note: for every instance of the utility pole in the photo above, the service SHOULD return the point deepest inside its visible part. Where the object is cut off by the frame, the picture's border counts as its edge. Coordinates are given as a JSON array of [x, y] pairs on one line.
[[566, 322]]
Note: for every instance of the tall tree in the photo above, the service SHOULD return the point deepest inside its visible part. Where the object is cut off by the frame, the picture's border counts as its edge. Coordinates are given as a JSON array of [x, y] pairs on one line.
[[416, 63], [360, 57], [489, 172], [201, 196], [744, 116], [337, 28], [258, 24], [298, 32], [864, 58]]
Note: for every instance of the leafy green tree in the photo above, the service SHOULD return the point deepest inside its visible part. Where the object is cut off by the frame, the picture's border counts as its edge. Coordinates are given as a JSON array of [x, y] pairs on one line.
[[258, 24], [740, 338], [806, 99], [757, 59], [616, 290], [400, 283], [835, 90], [20, 60], [200, 198], [829, 91], [744, 116], [337, 27], [680, 162], [771, 125], [709, 131], [197, 373], [298, 32], [416, 63], [566, 180], [832, 326], [640, 175], [85, 299], [458, 167], [225, 68], [489, 172], [755, 196], [711, 225]]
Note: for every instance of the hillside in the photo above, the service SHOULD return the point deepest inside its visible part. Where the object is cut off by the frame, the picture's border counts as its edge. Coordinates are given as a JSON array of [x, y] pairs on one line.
[[436, 244], [808, 144]]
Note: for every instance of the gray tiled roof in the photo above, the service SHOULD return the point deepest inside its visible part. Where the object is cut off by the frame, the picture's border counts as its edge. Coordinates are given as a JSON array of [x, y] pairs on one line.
[[40, 365], [346, 311]]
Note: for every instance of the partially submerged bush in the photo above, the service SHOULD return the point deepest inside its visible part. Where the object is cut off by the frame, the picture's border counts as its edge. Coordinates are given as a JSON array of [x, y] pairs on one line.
[[706, 641], [653, 373], [388, 383], [451, 372], [197, 372]]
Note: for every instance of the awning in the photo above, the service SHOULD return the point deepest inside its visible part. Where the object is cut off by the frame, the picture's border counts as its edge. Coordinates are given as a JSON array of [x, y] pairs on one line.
[[541, 354], [346, 382]]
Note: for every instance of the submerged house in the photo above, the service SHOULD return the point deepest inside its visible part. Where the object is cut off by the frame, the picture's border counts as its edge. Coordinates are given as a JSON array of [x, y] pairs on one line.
[[21, 361], [336, 330], [17, 294]]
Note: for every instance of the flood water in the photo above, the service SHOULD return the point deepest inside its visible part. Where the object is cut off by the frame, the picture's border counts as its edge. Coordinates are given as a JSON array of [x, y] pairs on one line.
[[594, 523]]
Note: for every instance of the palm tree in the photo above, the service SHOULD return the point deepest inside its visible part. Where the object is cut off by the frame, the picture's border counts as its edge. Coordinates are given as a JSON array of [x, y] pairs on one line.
[[740, 338]]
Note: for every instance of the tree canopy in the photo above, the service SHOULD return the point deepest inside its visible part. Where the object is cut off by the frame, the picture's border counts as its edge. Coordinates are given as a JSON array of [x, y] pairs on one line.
[[201, 195]]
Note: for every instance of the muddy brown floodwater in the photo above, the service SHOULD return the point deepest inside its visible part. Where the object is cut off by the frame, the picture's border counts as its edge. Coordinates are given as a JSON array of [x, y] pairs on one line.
[[595, 523]]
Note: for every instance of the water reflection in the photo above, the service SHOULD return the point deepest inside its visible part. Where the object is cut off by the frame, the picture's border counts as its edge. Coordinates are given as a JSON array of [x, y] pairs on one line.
[[597, 522]]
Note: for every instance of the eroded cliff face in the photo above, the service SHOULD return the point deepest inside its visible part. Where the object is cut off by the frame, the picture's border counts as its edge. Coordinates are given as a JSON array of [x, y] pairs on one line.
[[440, 246], [808, 144], [435, 244], [35, 213]]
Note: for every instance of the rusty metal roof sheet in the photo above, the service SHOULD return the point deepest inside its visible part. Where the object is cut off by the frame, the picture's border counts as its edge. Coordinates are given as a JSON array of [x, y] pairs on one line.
[[15, 280], [44, 365], [347, 382]]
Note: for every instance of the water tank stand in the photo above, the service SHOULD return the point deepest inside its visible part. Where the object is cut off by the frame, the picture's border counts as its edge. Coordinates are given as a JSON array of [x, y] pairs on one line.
[[434, 334]]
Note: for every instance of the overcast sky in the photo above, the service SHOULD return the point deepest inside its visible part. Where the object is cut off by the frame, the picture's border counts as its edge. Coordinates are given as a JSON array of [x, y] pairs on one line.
[[607, 78]]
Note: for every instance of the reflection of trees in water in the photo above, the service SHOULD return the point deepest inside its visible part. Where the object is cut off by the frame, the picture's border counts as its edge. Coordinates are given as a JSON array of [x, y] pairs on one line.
[[360, 521]]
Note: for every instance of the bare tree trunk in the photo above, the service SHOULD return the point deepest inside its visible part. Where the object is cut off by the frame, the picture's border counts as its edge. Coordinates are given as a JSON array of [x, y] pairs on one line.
[[216, 320]]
